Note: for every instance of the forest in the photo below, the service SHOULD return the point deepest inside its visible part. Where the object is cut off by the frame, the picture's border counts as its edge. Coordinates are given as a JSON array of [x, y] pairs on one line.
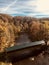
[[12, 27]]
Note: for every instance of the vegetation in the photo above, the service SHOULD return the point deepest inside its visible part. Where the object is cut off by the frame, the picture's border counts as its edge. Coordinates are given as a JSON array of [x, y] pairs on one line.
[[12, 27]]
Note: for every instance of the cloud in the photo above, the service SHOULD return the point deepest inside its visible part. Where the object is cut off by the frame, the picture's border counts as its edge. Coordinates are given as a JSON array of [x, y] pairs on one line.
[[4, 9], [43, 6], [34, 8]]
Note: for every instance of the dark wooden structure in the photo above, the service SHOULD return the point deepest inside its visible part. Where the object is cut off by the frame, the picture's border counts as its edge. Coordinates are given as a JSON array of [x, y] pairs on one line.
[[19, 52]]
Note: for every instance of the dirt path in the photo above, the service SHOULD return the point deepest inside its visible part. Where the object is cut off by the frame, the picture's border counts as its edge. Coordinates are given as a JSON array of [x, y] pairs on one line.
[[23, 39]]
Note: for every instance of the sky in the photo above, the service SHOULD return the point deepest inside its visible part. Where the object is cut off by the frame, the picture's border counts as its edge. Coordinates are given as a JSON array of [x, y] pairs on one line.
[[33, 8]]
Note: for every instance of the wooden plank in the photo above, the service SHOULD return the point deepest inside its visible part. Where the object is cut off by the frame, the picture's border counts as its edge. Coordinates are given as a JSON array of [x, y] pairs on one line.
[[18, 47]]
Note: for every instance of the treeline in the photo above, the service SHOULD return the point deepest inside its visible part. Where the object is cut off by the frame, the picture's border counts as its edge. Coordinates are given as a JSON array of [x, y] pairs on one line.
[[37, 29], [12, 27]]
